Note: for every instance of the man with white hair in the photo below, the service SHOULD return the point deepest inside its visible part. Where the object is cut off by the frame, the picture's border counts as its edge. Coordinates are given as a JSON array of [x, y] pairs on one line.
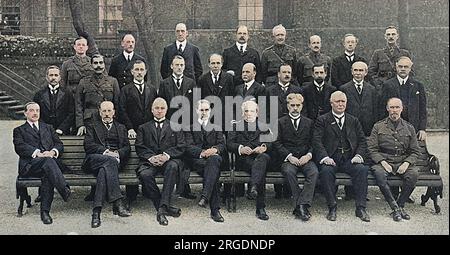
[[307, 61], [275, 55]]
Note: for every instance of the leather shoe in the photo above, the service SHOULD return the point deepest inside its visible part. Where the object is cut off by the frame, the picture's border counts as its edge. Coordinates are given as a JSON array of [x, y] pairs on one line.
[[396, 215], [216, 216], [410, 200], [173, 211], [46, 218], [119, 209], [188, 195], [89, 197], [96, 222], [261, 214], [66, 195], [253, 192], [404, 214], [203, 202], [332, 213], [161, 218], [301, 213], [362, 214]]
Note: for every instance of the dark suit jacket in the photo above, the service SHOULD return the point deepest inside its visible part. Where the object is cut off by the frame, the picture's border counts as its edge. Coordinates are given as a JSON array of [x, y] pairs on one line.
[[225, 86], [196, 143], [170, 142], [234, 60], [341, 69], [312, 103], [417, 107], [65, 108], [326, 136], [289, 140], [276, 90], [168, 90], [94, 141], [255, 90], [133, 112], [121, 69], [191, 57], [363, 107], [26, 141]]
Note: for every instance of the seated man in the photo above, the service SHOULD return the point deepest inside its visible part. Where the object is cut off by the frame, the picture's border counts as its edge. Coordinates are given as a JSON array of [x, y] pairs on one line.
[[39, 147], [340, 145], [160, 150], [107, 150], [394, 150], [251, 154], [295, 153], [205, 151]]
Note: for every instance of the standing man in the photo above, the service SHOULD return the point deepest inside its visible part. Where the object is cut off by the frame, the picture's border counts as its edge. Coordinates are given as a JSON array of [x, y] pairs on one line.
[[56, 103], [362, 98], [205, 151], [76, 67], [239, 54], [411, 92], [314, 57], [187, 50], [317, 93], [39, 148], [122, 63], [340, 145], [91, 92], [295, 153], [382, 63], [160, 150], [393, 148], [341, 69], [251, 154], [107, 150], [136, 99], [275, 55]]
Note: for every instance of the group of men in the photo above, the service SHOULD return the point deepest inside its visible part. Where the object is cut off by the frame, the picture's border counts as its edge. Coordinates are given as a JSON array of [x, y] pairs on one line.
[[322, 129]]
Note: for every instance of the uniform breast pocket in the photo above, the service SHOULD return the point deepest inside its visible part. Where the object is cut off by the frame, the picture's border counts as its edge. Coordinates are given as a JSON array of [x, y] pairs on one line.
[[73, 75]]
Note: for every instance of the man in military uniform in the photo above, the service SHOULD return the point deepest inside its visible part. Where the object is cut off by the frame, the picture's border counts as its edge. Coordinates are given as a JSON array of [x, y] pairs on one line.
[[76, 67], [393, 148], [275, 55], [382, 63], [91, 92], [239, 54], [307, 61]]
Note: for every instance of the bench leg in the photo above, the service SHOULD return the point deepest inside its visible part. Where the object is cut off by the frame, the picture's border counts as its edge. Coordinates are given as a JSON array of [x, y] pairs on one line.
[[23, 197], [233, 197], [433, 193]]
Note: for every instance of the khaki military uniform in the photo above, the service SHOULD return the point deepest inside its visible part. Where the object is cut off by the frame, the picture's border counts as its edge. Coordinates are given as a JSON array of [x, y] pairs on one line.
[[73, 70], [271, 60], [90, 93], [306, 63]]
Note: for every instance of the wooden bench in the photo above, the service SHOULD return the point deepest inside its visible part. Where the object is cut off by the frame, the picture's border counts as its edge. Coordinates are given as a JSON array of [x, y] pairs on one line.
[[73, 157], [428, 177]]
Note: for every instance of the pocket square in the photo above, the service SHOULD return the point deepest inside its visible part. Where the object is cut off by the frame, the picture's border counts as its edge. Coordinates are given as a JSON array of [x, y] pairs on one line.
[[417, 92], [333, 123]]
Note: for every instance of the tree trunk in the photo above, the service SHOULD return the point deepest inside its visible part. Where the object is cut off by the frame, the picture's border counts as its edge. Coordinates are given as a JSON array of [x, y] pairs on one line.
[[143, 12], [76, 10]]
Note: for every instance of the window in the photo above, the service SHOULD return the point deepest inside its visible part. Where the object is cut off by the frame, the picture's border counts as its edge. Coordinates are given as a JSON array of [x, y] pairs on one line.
[[109, 16], [198, 14], [9, 18], [251, 13]]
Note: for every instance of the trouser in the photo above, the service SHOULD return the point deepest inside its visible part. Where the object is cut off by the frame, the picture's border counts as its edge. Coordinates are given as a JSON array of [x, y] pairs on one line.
[[256, 165], [311, 173], [209, 169]]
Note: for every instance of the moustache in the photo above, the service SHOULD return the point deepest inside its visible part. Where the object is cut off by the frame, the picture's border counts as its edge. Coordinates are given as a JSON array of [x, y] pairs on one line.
[[98, 68]]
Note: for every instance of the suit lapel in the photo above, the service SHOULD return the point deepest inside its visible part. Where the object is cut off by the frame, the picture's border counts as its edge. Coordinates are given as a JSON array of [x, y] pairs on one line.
[[354, 93], [333, 123], [46, 97], [59, 98], [164, 129], [136, 95], [100, 132]]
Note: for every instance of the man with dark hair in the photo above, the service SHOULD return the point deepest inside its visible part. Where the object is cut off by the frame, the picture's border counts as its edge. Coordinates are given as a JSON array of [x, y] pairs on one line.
[[382, 63], [107, 150], [187, 50], [341, 69], [122, 63], [160, 149], [56, 103], [314, 57], [393, 148], [239, 54], [39, 148]]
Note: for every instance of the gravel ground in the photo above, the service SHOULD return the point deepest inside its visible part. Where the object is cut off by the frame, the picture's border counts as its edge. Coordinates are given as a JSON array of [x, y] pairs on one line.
[[73, 218]]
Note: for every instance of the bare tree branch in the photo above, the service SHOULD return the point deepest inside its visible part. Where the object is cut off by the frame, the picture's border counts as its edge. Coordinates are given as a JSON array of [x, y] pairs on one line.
[[76, 9]]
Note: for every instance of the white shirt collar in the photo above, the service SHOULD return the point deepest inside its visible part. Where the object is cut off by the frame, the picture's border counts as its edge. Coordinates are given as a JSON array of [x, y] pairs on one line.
[[200, 121], [284, 86], [295, 118], [319, 85], [126, 54], [249, 84], [52, 88], [35, 123], [212, 74], [183, 44], [244, 46], [401, 80], [349, 53], [361, 83], [137, 82], [159, 121], [338, 115]]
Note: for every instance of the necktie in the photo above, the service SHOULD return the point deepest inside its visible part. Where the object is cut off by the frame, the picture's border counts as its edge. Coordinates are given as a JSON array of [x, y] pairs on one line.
[[403, 82], [158, 130], [129, 59], [140, 87], [54, 91], [284, 88], [242, 49], [108, 125], [35, 128], [349, 58], [215, 79], [319, 88], [295, 123], [180, 48], [339, 120], [178, 83], [359, 88], [245, 89]]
